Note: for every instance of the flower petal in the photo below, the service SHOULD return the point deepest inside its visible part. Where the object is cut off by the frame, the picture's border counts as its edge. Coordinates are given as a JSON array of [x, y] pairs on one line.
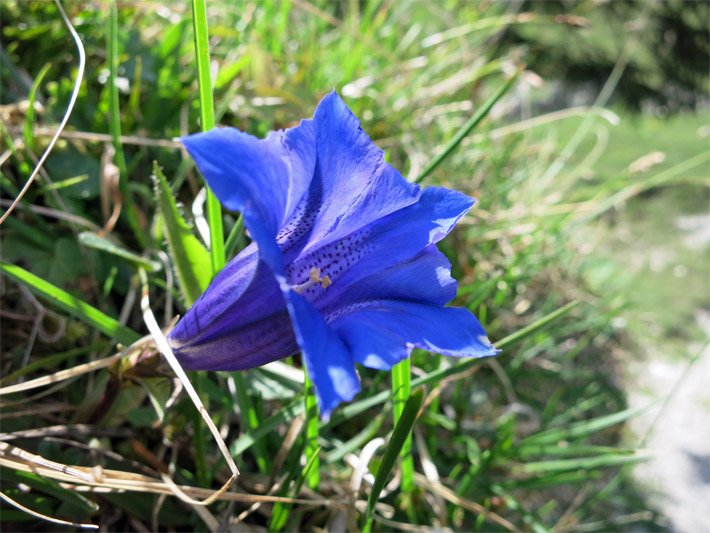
[[354, 184], [239, 322], [222, 294], [240, 348], [382, 333], [328, 361], [264, 179], [425, 278], [386, 242]]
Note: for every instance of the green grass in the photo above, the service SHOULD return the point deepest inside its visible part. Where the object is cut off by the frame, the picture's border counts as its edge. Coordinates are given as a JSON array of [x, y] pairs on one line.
[[527, 440], [640, 250]]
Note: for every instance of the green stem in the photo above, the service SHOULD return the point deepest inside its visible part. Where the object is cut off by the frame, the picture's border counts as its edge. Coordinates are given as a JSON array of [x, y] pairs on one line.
[[115, 127], [202, 51], [401, 388], [312, 428], [214, 211]]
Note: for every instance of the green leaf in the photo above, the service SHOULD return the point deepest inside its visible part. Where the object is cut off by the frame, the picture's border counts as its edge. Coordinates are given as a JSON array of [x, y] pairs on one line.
[[572, 449], [359, 440], [71, 304], [311, 433], [401, 433], [535, 326], [235, 238], [271, 385], [250, 417], [190, 259], [51, 361], [228, 72], [552, 480], [401, 387], [114, 122], [92, 240]]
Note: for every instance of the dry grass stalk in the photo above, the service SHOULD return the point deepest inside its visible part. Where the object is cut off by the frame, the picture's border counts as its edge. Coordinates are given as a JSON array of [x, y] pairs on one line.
[[164, 347], [97, 479], [451, 496]]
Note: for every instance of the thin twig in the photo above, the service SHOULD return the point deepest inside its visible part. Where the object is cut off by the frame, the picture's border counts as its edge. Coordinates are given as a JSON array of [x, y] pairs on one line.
[[90, 136], [62, 375], [84, 430]]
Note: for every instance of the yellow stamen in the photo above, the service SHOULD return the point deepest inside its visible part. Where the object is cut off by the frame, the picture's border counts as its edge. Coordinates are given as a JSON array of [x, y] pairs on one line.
[[313, 278]]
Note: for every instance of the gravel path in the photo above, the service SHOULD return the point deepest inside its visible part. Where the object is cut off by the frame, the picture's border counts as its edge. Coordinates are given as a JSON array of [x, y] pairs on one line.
[[678, 476]]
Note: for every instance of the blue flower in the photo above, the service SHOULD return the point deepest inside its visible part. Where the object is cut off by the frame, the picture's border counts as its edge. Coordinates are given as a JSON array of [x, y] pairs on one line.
[[343, 266]]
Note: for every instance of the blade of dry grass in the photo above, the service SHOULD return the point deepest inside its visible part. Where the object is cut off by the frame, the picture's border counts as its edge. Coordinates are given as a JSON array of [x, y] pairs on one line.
[[451, 496], [167, 352], [108, 480], [45, 517]]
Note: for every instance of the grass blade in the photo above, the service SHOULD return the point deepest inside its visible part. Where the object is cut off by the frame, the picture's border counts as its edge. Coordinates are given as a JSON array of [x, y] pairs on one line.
[[92, 240], [235, 238], [401, 388], [535, 326], [580, 463], [401, 432], [247, 440], [30, 116], [202, 52], [279, 515], [71, 304], [251, 420], [466, 129], [45, 517], [580, 429], [50, 361], [312, 427], [115, 126], [74, 499]]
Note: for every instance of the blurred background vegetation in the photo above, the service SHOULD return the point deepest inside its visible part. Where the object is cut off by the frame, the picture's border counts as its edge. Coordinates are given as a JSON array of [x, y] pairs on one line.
[[592, 180]]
